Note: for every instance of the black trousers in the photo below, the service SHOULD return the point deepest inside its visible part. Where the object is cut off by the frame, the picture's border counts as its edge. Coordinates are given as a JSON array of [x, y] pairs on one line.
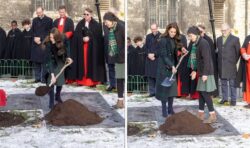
[[52, 95], [205, 98], [120, 87], [167, 109]]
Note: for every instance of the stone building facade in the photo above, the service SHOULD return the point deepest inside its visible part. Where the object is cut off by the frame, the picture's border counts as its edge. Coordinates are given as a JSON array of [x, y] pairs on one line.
[[21, 9], [141, 13]]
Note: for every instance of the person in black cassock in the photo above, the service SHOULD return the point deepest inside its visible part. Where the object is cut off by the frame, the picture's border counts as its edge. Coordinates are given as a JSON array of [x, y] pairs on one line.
[[2, 42], [13, 42], [140, 57], [131, 50], [2, 46], [87, 52], [66, 26], [41, 26], [26, 40]]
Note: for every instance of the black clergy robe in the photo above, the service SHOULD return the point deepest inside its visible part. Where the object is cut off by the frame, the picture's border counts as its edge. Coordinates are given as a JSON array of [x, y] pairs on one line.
[[27, 38], [2, 42], [13, 42], [95, 58]]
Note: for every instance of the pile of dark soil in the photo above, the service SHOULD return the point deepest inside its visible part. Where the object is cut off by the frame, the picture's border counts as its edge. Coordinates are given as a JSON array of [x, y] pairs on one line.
[[185, 123], [133, 130], [71, 113], [10, 119]]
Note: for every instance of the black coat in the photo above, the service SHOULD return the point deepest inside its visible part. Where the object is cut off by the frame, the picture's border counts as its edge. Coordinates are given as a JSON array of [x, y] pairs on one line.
[[204, 58], [40, 28], [68, 25], [131, 57], [96, 62], [167, 57], [138, 61], [184, 71], [13, 44], [27, 38], [228, 56], [152, 46], [121, 30], [2, 42]]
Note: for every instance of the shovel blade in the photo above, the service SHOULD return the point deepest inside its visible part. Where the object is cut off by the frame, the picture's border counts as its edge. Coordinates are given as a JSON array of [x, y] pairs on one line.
[[167, 82], [42, 90]]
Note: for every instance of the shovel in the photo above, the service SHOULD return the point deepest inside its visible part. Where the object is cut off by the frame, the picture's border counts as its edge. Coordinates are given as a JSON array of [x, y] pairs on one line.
[[167, 82], [43, 90]]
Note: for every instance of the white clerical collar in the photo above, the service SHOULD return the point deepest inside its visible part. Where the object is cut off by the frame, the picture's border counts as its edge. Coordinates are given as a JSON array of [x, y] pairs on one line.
[[87, 24], [61, 21]]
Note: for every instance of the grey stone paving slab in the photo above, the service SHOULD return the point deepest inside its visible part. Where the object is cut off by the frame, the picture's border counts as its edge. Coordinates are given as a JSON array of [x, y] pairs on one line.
[[146, 114], [94, 101]]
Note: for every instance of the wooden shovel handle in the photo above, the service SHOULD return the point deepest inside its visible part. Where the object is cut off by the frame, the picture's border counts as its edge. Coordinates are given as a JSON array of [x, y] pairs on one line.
[[63, 68], [178, 64]]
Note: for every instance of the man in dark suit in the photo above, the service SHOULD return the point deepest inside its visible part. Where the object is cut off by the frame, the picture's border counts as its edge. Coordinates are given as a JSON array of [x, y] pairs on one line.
[[152, 47], [41, 27], [228, 56]]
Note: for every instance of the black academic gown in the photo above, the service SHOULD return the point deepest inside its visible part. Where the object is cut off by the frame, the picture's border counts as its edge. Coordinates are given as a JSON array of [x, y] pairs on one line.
[[27, 38], [184, 72], [2, 42], [139, 61], [68, 25], [131, 51], [13, 42], [96, 63], [40, 28]]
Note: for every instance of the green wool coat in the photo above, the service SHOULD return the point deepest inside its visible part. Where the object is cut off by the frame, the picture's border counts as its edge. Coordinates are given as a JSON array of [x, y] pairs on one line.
[[167, 57], [55, 63]]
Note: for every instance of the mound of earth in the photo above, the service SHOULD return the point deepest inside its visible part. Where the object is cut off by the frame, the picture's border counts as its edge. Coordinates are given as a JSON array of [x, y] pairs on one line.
[[185, 123], [10, 119], [71, 113]]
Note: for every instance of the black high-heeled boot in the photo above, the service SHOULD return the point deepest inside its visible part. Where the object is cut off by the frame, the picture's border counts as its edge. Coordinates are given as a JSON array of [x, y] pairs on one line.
[[170, 106], [58, 94], [164, 108], [51, 97]]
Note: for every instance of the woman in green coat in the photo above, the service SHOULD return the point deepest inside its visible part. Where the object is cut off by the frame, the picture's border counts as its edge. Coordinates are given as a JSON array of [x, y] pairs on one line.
[[167, 60], [57, 51]]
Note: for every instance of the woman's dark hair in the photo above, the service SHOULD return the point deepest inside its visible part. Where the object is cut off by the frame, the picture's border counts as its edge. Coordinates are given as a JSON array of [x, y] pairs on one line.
[[110, 16], [59, 39], [177, 37]]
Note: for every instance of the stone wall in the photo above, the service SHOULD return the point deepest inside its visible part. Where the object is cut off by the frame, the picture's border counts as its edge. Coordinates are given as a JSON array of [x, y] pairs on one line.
[[21, 9], [191, 12]]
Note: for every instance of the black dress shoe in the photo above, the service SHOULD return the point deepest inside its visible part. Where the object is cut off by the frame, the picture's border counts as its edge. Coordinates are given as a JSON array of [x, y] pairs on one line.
[[247, 106], [233, 103], [37, 81], [110, 88], [223, 101], [59, 100], [151, 95]]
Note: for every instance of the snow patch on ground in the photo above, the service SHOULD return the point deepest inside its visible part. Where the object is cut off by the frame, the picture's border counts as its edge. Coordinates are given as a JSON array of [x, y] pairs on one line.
[[75, 137]]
